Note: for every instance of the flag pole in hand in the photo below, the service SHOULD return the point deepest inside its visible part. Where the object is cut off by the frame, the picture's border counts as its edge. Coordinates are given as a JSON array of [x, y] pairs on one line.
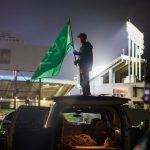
[[75, 59]]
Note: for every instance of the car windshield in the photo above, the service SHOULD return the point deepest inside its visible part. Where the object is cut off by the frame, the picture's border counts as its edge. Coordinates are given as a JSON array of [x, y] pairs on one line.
[[81, 118]]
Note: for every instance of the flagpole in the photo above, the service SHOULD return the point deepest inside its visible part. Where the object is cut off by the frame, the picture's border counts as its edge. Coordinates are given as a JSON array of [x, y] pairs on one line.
[[69, 22]]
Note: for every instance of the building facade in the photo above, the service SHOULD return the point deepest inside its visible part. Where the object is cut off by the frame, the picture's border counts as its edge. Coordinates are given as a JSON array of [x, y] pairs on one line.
[[16, 55], [124, 77]]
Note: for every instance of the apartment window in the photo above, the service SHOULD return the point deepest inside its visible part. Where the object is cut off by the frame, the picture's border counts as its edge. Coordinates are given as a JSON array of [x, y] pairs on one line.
[[138, 92], [120, 92], [106, 78], [5, 56]]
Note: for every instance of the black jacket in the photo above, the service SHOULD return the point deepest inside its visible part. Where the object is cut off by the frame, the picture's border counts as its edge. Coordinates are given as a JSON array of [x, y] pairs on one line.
[[86, 56]]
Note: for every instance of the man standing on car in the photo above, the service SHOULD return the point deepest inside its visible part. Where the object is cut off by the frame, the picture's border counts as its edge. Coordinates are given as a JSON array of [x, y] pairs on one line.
[[85, 62]]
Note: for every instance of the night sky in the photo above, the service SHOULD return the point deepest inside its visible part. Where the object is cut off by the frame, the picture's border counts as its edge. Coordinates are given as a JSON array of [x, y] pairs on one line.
[[40, 21]]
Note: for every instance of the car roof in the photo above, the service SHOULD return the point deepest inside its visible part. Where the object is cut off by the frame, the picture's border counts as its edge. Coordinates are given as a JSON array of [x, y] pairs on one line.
[[91, 99], [10, 115]]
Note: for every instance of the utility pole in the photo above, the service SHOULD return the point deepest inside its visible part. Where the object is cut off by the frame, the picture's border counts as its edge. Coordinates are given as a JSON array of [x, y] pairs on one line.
[[15, 87], [40, 87]]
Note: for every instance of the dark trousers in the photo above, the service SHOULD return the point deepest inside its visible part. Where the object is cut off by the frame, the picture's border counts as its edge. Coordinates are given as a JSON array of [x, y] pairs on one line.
[[84, 81]]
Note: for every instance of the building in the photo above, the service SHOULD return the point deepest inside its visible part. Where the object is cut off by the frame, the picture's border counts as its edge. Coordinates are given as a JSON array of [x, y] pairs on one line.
[[16, 55], [124, 76], [18, 61]]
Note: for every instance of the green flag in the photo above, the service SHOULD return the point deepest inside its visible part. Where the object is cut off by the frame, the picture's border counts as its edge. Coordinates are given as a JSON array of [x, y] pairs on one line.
[[52, 61]]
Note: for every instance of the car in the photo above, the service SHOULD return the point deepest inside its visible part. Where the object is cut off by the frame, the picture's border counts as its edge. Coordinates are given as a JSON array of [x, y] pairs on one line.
[[5, 128], [6, 122], [71, 117], [70, 124]]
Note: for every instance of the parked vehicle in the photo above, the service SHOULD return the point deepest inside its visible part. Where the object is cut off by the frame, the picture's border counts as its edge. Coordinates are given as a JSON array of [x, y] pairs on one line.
[[83, 110], [5, 128], [69, 124]]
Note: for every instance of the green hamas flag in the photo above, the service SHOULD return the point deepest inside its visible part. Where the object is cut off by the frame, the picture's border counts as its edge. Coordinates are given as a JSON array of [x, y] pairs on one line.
[[52, 61]]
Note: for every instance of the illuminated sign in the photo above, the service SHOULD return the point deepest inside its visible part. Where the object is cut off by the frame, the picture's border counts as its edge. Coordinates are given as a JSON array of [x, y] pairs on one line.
[[135, 51], [135, 34]]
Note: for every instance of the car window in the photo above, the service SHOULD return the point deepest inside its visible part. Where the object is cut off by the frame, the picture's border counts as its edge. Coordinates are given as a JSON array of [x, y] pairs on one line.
[[31, 118], [82, 118], [95, 125]]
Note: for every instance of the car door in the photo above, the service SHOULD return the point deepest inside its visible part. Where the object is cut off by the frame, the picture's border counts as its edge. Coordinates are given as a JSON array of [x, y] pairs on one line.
[[28, 130]]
